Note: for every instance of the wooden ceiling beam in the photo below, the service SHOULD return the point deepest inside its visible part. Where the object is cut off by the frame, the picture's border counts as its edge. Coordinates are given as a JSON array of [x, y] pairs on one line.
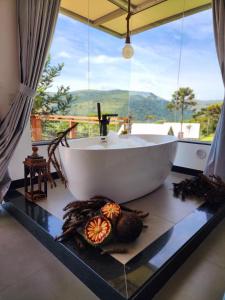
[[110, 16], [82, 19], [99, 22], [74, 15], [147, 4], [170, 19], [123, 4], [120, 12]]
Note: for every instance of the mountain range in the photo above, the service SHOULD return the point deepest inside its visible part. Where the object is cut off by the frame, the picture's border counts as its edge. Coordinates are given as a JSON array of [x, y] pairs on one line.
[[143, 106]]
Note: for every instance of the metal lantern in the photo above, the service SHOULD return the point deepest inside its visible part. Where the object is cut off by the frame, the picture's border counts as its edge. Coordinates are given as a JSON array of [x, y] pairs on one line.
[[35, 176]]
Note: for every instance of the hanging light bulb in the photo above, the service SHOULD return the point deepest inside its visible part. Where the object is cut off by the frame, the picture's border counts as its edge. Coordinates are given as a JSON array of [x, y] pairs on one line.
[[128, 50]]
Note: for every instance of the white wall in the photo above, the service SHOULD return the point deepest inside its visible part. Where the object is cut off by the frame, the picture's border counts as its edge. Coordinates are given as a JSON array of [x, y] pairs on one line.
[[23, 149], [193, 156]]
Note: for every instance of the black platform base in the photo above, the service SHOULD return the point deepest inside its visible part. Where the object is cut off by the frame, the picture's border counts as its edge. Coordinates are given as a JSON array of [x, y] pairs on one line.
[[104, 275]]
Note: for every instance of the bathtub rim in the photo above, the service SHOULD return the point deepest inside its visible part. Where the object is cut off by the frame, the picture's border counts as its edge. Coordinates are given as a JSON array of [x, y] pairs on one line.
[[173, 140]]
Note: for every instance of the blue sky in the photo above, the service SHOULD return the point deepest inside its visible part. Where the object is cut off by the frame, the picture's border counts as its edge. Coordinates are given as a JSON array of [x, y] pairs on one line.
[[93, 58]]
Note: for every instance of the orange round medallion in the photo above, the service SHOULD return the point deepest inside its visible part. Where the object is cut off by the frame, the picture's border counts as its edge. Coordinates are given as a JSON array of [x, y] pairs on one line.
[[97, 230], [111, 210]]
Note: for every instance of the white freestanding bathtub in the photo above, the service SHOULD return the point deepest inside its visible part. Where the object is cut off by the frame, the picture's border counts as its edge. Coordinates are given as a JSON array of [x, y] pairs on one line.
[[123, 168]]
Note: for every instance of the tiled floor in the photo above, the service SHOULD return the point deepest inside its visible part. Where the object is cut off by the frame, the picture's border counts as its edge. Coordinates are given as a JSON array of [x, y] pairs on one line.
[[165, 211], [28, 271], [160, 203], [202, 277]]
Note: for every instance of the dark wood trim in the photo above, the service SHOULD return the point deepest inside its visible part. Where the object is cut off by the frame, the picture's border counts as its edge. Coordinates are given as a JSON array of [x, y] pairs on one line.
[[187, 171], [195, 142], [41, 143]]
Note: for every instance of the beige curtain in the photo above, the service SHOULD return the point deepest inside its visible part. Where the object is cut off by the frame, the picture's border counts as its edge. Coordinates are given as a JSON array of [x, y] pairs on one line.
[[36, 21], [216, 160]]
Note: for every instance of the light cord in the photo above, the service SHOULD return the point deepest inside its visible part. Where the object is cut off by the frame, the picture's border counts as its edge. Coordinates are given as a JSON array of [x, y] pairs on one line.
[[181, 51]]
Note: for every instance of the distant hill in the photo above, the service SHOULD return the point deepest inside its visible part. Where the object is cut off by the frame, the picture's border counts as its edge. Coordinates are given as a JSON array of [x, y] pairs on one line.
[[203, 103], [141, 104]]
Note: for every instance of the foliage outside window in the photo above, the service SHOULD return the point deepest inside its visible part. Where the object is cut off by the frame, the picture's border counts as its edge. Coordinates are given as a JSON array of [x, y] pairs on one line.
[[146, 88]]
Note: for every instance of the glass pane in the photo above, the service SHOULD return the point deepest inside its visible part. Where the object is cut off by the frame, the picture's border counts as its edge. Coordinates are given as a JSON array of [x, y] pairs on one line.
[[86, 64], [200, 72], [86, 67], [154, 75]]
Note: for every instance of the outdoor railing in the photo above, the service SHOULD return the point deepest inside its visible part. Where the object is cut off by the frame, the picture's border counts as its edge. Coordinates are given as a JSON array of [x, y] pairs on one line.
[[36, 123]]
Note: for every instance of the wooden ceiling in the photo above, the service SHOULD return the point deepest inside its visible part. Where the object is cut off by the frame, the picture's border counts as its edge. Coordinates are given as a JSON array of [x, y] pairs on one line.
[[110, 15]]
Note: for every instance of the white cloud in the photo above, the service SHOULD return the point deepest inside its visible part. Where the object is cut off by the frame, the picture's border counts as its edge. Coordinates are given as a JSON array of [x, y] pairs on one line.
[[64, 54], [74, 84], [100, 59], [154, 67]]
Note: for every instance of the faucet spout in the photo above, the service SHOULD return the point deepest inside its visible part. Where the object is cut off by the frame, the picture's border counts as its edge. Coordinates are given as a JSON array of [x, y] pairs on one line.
[[104, 121]]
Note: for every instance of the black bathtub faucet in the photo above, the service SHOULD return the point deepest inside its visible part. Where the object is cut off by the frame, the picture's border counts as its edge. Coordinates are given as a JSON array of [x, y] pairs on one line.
[[104, 120]]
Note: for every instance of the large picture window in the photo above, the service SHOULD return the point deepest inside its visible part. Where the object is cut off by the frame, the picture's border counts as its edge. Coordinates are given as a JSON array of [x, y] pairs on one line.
[[172, 85]]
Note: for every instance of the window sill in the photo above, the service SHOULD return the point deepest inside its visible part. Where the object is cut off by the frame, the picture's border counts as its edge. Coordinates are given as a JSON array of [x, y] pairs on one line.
[[195, 142]]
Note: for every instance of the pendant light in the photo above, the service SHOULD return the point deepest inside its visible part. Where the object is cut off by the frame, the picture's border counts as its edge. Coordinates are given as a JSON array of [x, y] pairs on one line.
[[128, 50]]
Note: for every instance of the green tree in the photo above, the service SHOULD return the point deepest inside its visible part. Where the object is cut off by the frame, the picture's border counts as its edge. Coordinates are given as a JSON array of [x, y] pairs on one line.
[[151, 118], [52, 103], [182, 99], [208, 118]]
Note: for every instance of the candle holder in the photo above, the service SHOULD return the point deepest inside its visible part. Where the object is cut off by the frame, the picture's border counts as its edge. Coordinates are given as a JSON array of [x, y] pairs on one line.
[[35, 176]]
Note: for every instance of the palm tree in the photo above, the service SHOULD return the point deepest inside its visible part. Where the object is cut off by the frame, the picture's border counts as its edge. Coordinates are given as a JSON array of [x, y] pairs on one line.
[[182, 99]]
